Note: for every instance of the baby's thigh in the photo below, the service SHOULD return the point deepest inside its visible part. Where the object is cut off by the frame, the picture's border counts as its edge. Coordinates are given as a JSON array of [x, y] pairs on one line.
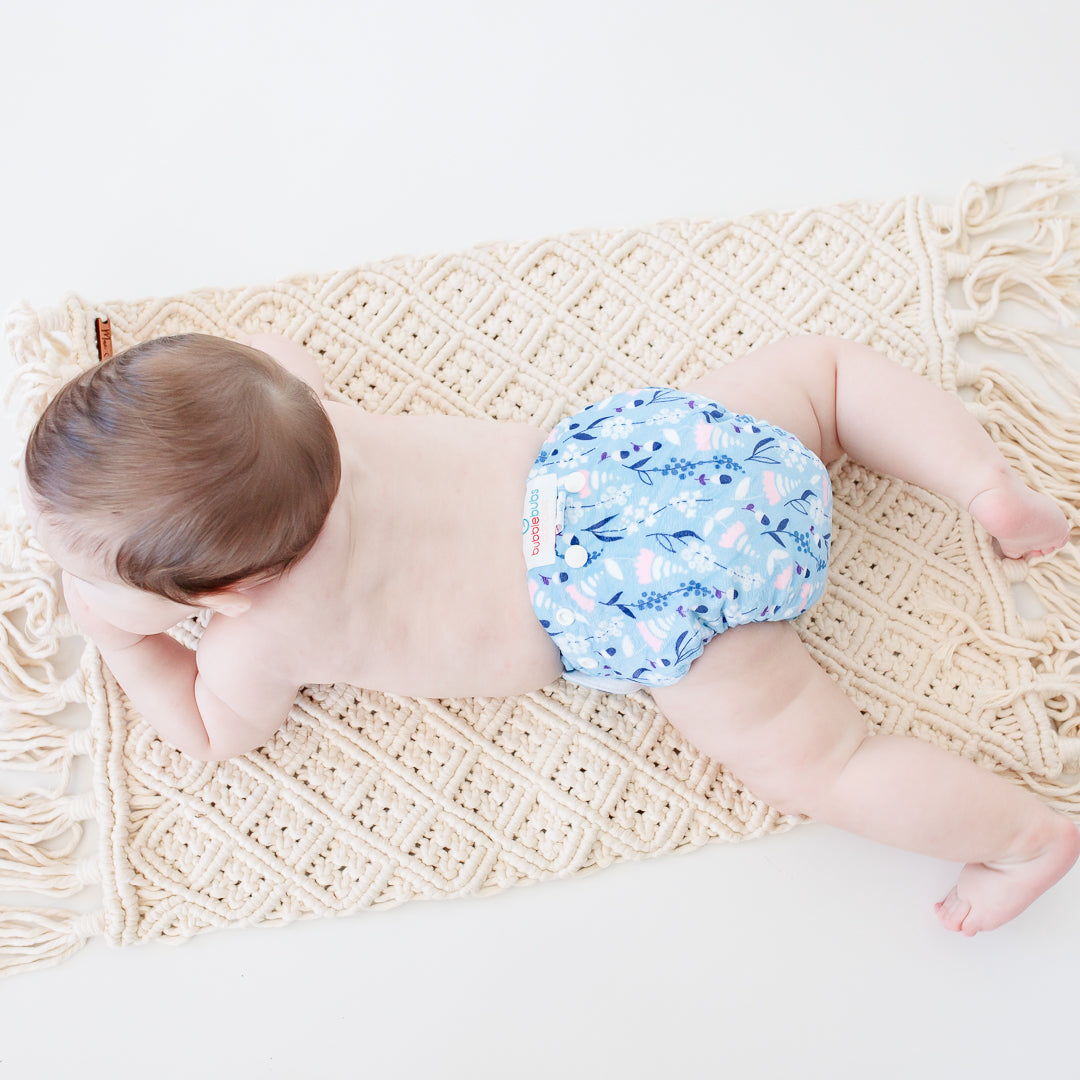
[[778, 383], [758, 702]]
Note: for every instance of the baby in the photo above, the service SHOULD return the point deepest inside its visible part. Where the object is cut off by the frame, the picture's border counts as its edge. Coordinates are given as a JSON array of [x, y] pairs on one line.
[[666, 541]]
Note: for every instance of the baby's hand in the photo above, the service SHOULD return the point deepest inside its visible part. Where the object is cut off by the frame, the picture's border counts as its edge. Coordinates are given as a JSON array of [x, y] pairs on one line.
[[292, 357], [104, 634]]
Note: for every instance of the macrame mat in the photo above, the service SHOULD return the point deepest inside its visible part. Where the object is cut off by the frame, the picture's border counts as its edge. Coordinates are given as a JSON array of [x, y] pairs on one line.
[[366, 800]]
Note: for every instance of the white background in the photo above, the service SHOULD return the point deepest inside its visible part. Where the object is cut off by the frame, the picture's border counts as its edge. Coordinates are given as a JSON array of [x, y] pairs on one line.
[[151, 148]]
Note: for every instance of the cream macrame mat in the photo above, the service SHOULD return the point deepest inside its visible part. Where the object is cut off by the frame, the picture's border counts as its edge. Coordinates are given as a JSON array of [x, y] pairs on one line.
[[366, 800]]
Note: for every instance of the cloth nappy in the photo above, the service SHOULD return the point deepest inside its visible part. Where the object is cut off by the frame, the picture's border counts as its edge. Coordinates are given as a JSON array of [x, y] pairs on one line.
[[656, 519]]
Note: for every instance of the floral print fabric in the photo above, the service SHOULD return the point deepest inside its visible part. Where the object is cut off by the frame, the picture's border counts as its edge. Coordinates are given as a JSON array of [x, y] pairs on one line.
[[676, 520]]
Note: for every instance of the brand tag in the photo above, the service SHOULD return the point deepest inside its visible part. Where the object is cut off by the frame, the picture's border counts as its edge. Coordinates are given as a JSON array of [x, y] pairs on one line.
[[103, 333], [538, 523]]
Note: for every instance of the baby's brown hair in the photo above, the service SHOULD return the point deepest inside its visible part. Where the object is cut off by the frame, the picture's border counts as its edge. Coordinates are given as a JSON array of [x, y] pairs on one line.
[[193, 462]]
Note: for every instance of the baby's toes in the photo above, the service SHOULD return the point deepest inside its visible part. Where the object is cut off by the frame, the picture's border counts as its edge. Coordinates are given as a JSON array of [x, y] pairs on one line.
[[952, 911]]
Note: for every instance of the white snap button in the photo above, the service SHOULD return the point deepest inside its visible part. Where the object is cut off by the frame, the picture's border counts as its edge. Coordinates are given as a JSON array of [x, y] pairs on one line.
[[575, 481], [576, 556], [564, 616]]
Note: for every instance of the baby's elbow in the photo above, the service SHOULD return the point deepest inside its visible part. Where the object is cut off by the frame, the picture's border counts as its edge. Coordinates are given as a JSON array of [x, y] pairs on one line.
[[209, 754], [198, 749], [227, 733], [214, 743], [221, 749]]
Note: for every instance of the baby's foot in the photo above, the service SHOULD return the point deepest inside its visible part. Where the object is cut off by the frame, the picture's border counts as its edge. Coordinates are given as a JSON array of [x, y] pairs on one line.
[[1024, 522], [989, 894]]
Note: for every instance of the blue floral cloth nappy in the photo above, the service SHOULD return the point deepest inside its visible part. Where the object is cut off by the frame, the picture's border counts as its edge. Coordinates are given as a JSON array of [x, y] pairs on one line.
[[655, 520]]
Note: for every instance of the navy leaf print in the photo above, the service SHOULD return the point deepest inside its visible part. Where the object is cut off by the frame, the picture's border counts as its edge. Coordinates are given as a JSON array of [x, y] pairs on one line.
[[759, 457]]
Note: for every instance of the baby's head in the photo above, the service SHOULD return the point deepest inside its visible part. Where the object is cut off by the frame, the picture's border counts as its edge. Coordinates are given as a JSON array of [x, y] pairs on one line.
[[185, 465]]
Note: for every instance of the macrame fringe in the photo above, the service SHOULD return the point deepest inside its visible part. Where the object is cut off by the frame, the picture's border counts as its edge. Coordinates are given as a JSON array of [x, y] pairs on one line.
[[1040, 272], [31, 623], [42, 345], [39, 937], [40, 829], [39, 816]]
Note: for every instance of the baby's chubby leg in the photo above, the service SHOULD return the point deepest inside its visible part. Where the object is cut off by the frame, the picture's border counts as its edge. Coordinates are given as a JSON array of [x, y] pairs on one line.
[[793, 737], [839, 397]]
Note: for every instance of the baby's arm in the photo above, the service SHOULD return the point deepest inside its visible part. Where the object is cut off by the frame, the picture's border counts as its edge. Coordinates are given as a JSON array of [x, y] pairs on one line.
[[209, 705], [292, 357]]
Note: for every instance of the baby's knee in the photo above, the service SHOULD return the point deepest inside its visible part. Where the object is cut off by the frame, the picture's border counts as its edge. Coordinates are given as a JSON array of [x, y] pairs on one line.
[[801, 779], [798, 755]]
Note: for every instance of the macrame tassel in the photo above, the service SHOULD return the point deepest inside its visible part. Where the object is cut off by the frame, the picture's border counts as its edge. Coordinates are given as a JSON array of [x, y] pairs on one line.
[[36, 937], [34, 744], [43, 346], [40, 816], [31, 624], [1040, 273], [1056, 584], [46, 869], [1030, 194], [40, 830]]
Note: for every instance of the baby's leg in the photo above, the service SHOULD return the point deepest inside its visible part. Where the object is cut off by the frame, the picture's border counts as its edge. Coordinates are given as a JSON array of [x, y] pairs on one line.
[[793, 737], [841, 397]]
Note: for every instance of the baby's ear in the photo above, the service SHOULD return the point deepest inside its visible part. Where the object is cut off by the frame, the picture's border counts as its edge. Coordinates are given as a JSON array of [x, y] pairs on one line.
[[229, 602]]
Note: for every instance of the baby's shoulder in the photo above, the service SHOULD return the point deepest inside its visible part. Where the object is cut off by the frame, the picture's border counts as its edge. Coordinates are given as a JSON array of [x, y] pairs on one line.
[[244, 641]]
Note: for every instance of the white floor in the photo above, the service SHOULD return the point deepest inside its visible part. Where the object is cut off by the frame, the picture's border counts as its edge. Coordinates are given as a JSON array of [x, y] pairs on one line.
[[150, 148]]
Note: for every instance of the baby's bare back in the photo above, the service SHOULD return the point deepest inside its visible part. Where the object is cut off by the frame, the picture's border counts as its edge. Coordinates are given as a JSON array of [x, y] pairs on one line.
[[417, 583]]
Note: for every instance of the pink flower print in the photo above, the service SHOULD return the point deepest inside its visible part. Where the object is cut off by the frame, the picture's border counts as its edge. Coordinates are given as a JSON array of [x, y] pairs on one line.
[[783, 580], [579, 598], [731, 536], [650, 639], [771, 493], [703, 436], [644, 566]]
